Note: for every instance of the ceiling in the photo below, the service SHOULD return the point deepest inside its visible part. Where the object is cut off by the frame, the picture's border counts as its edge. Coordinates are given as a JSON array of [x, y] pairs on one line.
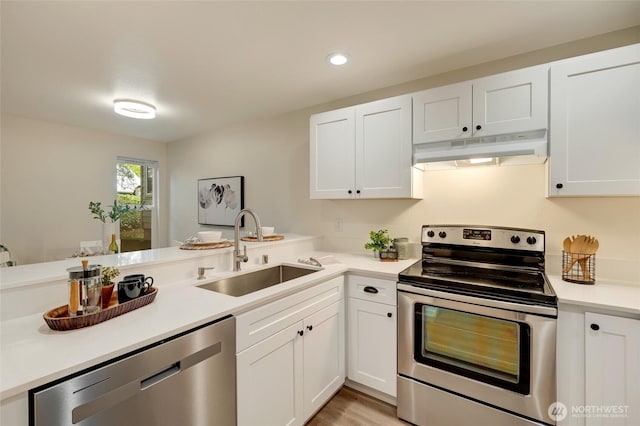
[[209, 64]]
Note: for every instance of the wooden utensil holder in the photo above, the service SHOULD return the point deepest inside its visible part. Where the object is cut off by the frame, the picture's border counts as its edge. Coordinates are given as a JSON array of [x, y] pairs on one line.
[[578, 268]]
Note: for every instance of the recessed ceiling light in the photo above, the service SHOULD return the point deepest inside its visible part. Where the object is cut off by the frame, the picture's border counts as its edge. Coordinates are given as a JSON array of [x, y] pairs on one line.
[[134, 109], [338, 58]]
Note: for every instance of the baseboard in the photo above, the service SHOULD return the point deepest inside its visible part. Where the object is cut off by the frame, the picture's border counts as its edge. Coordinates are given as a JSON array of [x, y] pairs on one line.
[[371, 392]]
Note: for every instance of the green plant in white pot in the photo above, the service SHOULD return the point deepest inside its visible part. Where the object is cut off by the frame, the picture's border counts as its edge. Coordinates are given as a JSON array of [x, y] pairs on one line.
[[380, 240], [112, 226]]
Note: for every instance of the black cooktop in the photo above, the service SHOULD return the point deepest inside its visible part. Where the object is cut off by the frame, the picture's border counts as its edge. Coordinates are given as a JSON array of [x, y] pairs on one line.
[[522, 286]]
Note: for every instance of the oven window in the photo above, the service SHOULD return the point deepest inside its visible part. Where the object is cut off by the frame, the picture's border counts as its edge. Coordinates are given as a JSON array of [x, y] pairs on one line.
[[488, 349]]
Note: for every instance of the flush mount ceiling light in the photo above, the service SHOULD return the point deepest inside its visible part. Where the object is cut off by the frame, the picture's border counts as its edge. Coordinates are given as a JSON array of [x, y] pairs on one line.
[[134, 109], [338, 58]]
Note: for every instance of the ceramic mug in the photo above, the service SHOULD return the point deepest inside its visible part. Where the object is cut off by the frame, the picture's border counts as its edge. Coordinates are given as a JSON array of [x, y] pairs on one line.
[[146, 282], [131, 288]]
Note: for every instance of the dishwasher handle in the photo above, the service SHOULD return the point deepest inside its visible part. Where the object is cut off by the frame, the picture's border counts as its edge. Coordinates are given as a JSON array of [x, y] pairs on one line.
[[172, 370]]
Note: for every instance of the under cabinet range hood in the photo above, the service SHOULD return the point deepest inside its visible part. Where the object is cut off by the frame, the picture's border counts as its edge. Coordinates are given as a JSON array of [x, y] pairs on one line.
[[517, 148]]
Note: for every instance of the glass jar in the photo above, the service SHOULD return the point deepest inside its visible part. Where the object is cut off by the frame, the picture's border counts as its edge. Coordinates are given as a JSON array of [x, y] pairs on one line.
[[402, 247], [85, 289]]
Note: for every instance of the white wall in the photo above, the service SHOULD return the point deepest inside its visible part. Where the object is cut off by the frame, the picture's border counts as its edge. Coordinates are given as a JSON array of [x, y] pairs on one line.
[[273, 155], [49, 173], [48, 176]]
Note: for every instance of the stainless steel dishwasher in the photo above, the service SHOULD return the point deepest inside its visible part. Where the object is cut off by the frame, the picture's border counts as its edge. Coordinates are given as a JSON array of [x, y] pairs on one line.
[[189, 379]]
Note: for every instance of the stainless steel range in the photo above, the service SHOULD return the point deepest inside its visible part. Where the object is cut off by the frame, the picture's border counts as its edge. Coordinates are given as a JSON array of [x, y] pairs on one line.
[[477, 329]]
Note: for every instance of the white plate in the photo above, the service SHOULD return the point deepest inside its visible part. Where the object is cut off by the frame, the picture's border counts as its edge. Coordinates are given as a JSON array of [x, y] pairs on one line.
[[222, 240]]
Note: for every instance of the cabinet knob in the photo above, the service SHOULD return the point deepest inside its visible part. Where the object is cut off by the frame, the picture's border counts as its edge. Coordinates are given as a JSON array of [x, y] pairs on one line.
[[595, 327], [559, 185], [478, 127], [389, 314], [465, 128], [350, 192], [358, 191], [309, 327], [301, 332]]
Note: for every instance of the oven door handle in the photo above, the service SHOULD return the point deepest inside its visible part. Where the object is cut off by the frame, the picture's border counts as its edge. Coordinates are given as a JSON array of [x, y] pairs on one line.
[[509, 306]]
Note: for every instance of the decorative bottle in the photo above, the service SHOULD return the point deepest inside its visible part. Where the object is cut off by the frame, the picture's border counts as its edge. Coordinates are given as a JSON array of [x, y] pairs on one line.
[[113, 247]]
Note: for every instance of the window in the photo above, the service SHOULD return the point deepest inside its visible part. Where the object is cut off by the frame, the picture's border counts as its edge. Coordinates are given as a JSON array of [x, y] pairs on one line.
[[136, 186]]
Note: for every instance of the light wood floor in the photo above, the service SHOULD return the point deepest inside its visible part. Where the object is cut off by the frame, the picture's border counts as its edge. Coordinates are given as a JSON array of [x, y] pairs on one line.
[[352, 408]]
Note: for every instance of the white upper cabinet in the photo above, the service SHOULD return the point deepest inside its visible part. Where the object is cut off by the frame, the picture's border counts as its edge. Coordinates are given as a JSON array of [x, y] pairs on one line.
[[595, 124], [364, 152], [333, 154], [442, 113], [383, 149], [511, 102]]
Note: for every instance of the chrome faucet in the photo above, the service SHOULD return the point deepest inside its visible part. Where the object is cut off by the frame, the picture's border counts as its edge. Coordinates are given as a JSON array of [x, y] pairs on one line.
[[237, 257]]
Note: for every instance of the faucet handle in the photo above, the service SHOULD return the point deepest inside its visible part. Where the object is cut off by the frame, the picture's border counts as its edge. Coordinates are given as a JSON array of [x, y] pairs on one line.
[[245, 258]]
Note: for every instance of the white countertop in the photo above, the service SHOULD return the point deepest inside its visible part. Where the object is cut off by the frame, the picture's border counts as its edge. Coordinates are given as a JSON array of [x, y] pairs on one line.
[[32, 355], [602, 295], [37, 273]]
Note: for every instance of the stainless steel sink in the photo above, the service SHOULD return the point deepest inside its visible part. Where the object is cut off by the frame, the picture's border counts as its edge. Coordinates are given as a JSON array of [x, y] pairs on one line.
[[258, 280]]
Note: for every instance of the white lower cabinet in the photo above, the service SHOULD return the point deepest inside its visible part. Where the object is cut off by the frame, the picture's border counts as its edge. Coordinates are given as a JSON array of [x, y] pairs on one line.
[[598, 368], [323, 356], [270, 380], [612, 374], [290, 374], [372, 353]]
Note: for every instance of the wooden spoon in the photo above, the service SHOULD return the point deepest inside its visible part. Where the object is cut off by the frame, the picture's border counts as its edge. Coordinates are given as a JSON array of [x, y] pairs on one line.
[[588, 249], [577, 243]]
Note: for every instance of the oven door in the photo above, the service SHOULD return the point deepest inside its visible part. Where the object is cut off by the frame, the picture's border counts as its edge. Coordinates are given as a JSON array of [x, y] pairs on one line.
[[486, 350]]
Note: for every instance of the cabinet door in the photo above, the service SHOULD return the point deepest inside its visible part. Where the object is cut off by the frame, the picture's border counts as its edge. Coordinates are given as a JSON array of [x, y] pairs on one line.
[[612, 364], [323, 356], [511, 102], [594, 126], [269, 378], [383, 149], [442, 113], [332, 154], [372, 345]]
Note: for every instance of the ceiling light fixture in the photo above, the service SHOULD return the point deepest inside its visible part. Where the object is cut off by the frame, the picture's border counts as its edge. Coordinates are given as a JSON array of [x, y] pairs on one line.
[[134, 109], [338, 59]]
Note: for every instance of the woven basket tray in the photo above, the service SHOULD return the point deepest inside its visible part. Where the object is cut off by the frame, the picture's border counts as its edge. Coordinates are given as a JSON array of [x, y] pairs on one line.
[[58, 319], [206, 246], [267, 238]]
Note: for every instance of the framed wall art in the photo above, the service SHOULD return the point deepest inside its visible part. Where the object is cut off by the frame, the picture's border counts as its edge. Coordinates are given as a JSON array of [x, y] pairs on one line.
[[220, 200]]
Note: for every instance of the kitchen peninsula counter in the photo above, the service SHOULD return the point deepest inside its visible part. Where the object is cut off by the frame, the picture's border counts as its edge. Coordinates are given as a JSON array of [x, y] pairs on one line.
[[32, 355]]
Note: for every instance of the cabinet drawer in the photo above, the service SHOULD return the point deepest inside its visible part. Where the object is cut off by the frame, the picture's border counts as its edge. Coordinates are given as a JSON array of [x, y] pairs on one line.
[[374, 289], [264, 321]]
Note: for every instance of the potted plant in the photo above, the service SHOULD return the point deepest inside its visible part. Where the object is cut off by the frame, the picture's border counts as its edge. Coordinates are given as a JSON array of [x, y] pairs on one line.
[[108, 276], [380, 240], [111, 227], [117, 211]]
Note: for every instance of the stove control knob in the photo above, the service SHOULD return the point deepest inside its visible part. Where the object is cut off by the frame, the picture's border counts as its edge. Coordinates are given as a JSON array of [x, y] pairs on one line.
[[515, 239], [531, 240], [442, 234], [431, 234]]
